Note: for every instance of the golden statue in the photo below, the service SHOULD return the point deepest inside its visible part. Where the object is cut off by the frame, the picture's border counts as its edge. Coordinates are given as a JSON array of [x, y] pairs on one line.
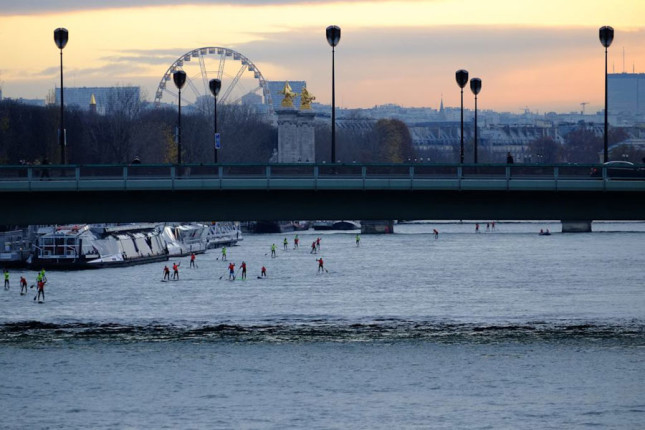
[[289, 95], [305, 99]]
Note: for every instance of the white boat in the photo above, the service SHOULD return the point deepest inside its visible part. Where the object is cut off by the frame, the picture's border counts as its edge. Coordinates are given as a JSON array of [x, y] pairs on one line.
[[185, 239], [96, 246], [223, 234], [15, 247]]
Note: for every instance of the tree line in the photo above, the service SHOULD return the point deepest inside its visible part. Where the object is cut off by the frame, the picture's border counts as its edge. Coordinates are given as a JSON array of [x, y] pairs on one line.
[[129, 128]]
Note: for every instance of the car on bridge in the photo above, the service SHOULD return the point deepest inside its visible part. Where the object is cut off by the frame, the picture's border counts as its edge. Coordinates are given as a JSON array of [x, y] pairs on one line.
[[619, 169]]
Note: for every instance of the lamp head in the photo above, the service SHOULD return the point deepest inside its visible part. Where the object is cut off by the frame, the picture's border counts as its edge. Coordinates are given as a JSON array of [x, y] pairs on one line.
[[475, 85], [333, 35], [462, 77], [606, 34], [179, 77], [215, 85], [61, 35]]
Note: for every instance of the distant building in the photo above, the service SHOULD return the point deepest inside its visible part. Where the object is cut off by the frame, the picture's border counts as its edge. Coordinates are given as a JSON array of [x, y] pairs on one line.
[[251, 99], [80, 97], [626, 94]]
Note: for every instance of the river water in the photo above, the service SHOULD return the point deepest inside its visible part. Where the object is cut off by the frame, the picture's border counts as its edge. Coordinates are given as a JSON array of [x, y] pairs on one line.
[[498, 329]]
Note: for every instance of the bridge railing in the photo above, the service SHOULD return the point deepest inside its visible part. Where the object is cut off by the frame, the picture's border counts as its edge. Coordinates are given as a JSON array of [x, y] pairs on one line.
[[312, 175]]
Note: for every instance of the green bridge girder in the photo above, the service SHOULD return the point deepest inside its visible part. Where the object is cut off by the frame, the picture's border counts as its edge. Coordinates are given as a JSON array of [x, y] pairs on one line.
[[119, 193]]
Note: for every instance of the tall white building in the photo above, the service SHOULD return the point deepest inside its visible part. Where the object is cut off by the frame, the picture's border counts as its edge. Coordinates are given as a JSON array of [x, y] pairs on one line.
[[626, 94]]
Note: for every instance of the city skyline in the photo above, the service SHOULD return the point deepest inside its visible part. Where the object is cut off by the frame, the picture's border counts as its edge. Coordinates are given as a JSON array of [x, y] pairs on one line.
[[541, 55]]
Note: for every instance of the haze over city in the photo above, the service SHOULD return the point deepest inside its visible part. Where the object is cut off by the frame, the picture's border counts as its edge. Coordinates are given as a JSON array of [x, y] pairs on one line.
[[542, 55]]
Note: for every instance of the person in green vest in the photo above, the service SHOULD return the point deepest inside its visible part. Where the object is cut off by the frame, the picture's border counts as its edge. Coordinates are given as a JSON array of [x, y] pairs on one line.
[[358, 239], [223, 253], [6, 279], [273, 250]]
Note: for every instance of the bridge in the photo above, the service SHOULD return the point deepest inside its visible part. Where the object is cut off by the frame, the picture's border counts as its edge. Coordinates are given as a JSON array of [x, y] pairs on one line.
[[61, 194]]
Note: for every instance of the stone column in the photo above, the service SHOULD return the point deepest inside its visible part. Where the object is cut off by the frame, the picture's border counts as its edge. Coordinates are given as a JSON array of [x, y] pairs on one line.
[[576, 226], [377, 227], [296, 140]]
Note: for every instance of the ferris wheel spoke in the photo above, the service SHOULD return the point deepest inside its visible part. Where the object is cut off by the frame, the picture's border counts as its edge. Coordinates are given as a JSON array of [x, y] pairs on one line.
[[233, 84], [222, 61], [192, 86], [172, 93], [239, 99], [202, 66]]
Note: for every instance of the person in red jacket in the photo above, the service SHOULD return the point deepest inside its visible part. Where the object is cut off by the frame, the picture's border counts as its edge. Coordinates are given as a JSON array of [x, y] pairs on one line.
[[321, 266], [23, 285], [243, 267], [175, 271], [41, 290], [231, 271]]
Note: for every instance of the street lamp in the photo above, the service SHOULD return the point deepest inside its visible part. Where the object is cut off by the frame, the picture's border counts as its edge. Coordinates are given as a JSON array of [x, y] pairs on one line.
[[61, 35], [215, 85], [462, 80], [475, 87], [179, 77], [333, 37], [606, 34]]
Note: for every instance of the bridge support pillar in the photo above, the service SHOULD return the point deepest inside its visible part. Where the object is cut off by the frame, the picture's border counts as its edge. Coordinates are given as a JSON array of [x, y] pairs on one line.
[[576, 226], [296, 141], [377, 227]]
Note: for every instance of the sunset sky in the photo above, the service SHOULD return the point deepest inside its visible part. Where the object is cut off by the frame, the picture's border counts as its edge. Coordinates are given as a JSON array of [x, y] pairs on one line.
[[540, 54]]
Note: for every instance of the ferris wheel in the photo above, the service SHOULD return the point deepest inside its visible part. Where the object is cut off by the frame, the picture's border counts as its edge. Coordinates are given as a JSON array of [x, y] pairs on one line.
[[241, 79]]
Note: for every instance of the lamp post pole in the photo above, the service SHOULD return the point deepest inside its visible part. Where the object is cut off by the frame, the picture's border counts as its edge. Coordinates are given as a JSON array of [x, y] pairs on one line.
[[215, 85], [333, 37], [475, 87], [179, 77], [61, 35], [462, 80], [606, 35]]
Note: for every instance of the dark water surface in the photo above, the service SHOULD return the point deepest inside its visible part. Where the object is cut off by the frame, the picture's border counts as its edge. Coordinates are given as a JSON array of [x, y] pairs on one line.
[[501, 329]]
